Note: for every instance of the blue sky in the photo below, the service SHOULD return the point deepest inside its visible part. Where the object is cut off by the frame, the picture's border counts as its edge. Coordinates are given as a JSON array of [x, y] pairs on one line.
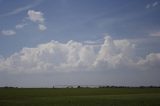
[[33, 23], [78, 20]]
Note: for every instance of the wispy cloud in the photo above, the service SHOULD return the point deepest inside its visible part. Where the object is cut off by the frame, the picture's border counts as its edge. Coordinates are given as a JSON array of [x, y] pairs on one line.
[[155, 4], [155, 34], [20, 26], [148, 6], [8, 32], [21, 9], [152, 5]]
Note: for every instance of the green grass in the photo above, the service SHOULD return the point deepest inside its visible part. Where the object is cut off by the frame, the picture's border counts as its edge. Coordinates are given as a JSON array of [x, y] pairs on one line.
[[80, 97]]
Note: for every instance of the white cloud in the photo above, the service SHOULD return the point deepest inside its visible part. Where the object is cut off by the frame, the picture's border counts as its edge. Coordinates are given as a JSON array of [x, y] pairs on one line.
[[75, 56], [114, 52], [151, 62], [35, 16], [20, 26], [8, 32], [42, 27]]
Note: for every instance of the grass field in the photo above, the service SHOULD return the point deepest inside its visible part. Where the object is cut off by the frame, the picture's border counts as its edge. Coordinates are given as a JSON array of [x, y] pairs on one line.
[[80, 97]]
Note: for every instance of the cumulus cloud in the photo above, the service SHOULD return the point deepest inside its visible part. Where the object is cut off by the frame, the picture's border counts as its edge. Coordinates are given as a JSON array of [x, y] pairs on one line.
[[37, 17], [114, 52], [76, 56], [152, 61], [8, 32]]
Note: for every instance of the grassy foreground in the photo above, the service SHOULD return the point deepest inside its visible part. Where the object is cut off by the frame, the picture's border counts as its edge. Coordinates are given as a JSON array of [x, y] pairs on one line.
[[80, 97]]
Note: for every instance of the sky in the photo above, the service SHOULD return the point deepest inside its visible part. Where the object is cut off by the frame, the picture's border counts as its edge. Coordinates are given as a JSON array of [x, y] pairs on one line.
[[79, 42]]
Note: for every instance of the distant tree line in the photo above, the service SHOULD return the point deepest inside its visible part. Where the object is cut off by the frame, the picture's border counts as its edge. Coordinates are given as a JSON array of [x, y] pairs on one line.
[[120, 87], [7, 87], [128, 87], [114, 87], [107, 86]]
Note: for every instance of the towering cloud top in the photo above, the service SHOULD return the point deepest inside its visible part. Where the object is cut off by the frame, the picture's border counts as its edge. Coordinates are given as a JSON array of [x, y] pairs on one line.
[[75, 56]]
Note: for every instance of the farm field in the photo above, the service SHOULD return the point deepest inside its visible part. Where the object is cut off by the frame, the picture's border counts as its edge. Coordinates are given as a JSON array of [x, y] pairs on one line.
[[80, 97]]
